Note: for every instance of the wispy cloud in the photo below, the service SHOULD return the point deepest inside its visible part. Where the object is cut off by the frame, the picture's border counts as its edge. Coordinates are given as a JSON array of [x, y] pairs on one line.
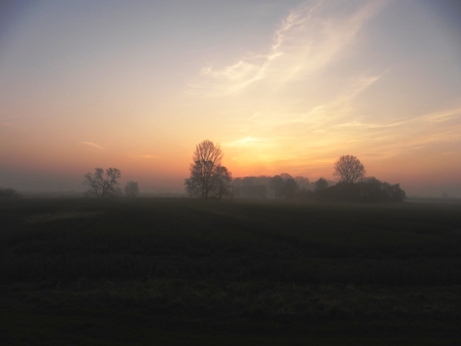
[[445, 115], [317, 137], [306, 41], [311, 96], [93, 145], [413, 133], [336, 113]]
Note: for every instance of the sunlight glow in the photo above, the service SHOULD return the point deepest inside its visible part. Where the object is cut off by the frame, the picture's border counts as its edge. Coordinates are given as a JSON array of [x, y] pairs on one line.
[[283, 86]]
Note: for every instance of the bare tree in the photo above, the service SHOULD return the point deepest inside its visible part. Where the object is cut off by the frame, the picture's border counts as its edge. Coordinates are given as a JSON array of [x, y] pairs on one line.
[[223, 182], [131, 189], [101, 185], [206, 172], [349, 169], [207, 151], [195, 181]]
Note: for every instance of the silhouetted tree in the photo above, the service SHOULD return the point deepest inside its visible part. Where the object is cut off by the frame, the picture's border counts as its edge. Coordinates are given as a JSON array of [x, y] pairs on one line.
[[131, 189], [368, 190], [344, 192], [277, 185], [394, 192], [103, 186], [349, 169], [321, 190], [371, 189], [250, 187], [9, 193], [207, 176], [321, 184], [284, 185], [303, 183], [285, 176], [222, 182], [289, 188]]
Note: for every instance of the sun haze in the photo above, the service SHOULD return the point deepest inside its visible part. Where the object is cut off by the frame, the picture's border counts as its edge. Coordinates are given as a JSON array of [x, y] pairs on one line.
[[282, 86]]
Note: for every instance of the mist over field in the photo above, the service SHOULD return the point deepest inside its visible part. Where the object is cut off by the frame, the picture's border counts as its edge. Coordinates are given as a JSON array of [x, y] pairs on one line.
[[172, 271]]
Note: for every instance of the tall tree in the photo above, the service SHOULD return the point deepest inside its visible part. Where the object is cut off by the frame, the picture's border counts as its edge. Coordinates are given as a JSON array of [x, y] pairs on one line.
[[223, 182], [349, 169], [101, 185], [207, 175]]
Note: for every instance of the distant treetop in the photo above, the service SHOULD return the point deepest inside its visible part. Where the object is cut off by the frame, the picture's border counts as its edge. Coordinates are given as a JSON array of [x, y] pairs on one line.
[[349, 169]]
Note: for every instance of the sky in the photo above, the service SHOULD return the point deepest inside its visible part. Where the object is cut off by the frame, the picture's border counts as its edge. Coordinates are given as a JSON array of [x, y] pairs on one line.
[[282, 86]]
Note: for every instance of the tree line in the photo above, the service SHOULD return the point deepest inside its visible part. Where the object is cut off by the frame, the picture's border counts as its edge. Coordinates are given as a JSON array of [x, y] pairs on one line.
[[9, 193], [105, 184], [209, 179]]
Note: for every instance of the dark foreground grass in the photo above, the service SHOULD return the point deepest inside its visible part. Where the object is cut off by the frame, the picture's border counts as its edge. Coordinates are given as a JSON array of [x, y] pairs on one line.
[[180, 271]]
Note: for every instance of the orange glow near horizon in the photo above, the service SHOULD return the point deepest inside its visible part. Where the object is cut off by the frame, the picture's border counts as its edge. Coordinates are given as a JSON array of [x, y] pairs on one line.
[[289, 89]]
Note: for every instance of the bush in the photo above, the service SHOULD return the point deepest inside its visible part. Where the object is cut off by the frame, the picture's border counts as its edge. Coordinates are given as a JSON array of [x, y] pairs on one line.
[[9, 193], [367, 190]]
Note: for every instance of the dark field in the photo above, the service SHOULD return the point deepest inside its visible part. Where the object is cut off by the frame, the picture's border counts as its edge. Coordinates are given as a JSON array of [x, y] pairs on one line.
[[182, 271]]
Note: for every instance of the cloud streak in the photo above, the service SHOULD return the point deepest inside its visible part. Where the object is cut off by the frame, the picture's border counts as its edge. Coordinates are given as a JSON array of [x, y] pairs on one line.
[[310, 38], [93, 145]]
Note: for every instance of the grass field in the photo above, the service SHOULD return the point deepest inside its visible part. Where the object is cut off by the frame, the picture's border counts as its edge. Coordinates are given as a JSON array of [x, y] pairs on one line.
[[182, 271]]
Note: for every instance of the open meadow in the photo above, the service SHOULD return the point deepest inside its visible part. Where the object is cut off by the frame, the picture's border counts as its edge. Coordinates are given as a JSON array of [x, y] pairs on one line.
[[166, 271]]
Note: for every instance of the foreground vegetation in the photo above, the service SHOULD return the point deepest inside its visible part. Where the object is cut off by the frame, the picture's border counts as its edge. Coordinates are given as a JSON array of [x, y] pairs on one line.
[[175, 271]]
